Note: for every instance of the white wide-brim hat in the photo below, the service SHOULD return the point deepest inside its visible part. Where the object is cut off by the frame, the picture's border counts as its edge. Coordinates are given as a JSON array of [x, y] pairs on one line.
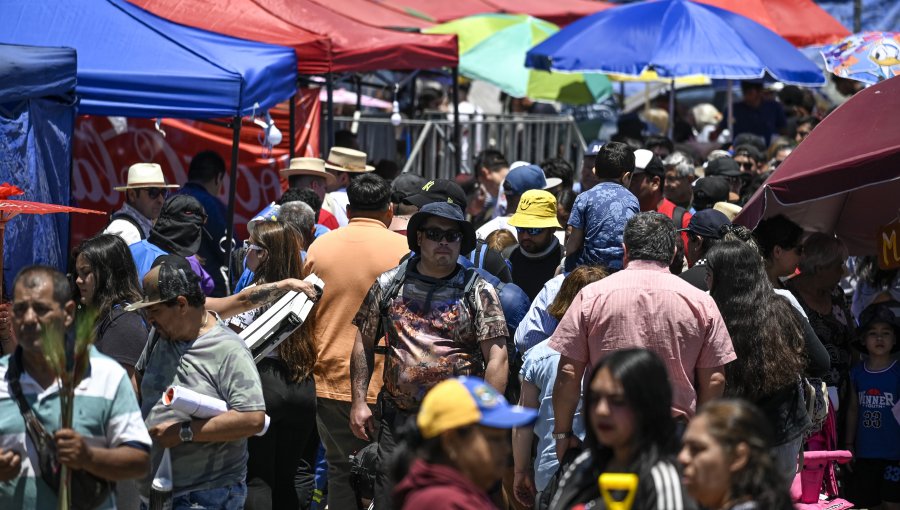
[[145, 175], [343, 159], [308, 166]]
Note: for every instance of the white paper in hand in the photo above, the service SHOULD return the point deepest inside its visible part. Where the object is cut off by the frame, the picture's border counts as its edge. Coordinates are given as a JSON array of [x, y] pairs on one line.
[[198, 405]]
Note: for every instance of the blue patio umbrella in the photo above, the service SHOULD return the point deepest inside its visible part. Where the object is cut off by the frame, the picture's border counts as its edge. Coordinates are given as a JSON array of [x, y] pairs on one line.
[[674, 38]]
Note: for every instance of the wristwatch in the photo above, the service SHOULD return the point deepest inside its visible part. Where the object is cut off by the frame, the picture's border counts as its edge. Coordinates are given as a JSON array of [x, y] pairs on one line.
[[187, 435], [561, 435]]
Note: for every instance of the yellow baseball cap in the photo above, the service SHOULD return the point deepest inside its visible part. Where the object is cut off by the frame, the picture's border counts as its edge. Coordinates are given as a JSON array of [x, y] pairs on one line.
[[455, 403], [537, 209]]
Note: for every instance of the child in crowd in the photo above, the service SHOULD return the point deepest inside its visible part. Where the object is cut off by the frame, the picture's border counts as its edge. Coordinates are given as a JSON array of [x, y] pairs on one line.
[[873, 431]]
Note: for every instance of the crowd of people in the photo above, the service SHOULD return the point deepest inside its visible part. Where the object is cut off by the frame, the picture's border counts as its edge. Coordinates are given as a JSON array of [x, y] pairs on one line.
[[509, 338]]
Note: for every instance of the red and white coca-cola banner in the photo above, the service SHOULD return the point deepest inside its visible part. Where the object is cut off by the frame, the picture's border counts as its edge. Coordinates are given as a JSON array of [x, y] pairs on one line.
[[106, 146]]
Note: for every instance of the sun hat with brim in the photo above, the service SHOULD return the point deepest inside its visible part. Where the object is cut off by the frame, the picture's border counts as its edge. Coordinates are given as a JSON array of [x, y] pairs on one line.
[[169, 277], [179, 227], [308, 166], [438, 190], [145, 175], [887, 312], [441, 210], [537, 209], [343, 159], [464, 401]]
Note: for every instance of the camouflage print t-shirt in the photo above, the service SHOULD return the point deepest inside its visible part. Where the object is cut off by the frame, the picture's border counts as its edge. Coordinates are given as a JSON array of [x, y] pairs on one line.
[[216, 364], [434, 333]]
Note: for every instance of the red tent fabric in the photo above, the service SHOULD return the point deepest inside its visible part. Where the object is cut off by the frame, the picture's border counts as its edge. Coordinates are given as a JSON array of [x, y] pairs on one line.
[[324, 40], [801, 22], [440, 10], [844, 177], [560, 12], [372, 12]]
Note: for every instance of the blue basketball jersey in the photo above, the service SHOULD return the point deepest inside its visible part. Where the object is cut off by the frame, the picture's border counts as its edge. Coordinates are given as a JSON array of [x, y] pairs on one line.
[[877, 431]]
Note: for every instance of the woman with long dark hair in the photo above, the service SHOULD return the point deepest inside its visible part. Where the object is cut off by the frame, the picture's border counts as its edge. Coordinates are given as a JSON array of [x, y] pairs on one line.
[[727, 465], [771, 344], [630, 429], [281, 468], [107, 281]]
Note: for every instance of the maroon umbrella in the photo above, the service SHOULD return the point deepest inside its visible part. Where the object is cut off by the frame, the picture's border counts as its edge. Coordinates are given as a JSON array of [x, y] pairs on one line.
[[845, 176]]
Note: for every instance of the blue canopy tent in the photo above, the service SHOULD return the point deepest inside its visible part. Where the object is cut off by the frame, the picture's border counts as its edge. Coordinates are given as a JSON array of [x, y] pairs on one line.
[[133, 63], [37, 117], [675, 38]]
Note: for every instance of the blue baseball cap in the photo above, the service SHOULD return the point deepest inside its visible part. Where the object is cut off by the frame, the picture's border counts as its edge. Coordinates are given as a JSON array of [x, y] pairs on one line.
[[463, 401], [527, 177]]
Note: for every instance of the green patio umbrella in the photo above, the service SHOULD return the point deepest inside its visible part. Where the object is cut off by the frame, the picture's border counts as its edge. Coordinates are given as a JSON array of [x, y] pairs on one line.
[[492, 48]]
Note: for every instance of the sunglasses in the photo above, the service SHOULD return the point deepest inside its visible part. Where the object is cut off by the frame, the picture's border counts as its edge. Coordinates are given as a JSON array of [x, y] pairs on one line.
[[155, 193], [530, 231], [747, 165], [250, 246], [436, 234]]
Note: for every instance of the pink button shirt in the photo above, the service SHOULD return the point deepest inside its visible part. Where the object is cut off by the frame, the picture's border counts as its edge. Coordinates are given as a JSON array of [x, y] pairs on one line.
[[645, 306]]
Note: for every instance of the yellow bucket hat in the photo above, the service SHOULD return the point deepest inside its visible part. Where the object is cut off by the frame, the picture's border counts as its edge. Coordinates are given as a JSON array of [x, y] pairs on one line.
[[537, 209]]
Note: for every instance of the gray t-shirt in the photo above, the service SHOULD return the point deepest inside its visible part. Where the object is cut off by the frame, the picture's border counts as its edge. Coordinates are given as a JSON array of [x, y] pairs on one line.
[[217, 364]]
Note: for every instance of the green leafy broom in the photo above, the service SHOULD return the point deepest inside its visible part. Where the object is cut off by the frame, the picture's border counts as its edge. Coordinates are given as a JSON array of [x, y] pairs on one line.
[[69, 372]]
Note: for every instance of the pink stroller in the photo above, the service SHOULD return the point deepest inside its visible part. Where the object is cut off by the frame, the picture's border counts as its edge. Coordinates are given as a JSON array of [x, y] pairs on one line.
[[815, 486]]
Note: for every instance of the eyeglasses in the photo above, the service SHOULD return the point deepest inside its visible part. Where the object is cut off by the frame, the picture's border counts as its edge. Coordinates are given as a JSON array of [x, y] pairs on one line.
[[155, 193], [747, 165], [436, 234], [250, 246], [530, 231]]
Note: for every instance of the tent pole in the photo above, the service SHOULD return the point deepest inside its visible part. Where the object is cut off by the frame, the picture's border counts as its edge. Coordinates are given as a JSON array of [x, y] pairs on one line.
[[730, 101], [293, 129], [232, 195], [671, 123], [457, 153], [358, 94], [329, 89]]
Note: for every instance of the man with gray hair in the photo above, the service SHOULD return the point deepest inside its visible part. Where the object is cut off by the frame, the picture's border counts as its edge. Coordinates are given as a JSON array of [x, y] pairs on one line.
[[300, 216], [680, 175], [642, 306]]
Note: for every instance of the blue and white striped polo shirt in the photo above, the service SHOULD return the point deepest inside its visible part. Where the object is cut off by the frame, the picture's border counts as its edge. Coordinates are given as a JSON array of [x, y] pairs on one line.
[[106, 415]]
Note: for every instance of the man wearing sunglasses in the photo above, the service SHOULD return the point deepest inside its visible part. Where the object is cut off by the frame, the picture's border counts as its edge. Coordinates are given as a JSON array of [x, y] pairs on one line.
[[539, 253], [145, 193], [439, 321]]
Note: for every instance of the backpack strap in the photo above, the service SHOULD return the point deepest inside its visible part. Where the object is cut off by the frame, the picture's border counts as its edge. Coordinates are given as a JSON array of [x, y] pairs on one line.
[[386, 297], [679, 213], [129, 219]]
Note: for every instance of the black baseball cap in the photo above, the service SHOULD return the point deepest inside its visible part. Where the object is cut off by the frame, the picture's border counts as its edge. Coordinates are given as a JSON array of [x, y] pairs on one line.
[[405, 185], [725, 167], [438, 190], [707, 223], [645, 162], [709, 190], [171, 276]]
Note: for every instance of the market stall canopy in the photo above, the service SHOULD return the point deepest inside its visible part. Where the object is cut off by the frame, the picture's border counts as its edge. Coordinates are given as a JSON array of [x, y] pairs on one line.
[[441, 11], [134, 64], [801, 22], [30, 72], [372, 12], [350, 46], [492, 48], [559, 12], [843, 178], [675, 38]]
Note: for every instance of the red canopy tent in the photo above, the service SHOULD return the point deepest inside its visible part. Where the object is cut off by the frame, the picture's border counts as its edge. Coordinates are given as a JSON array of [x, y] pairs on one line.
[[372, 12], [324, 40], [844, 177], [801, 22], [560, 12], [440, 10]]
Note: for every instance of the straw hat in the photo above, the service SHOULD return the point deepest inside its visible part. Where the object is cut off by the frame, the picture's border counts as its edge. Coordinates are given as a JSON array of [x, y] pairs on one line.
[[145, 175], [343, 159], [308, 166]]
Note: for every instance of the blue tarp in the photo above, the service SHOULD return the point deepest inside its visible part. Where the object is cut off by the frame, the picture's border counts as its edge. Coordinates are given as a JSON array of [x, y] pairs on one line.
[[134, 64], [676, 38], [37, 117]]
